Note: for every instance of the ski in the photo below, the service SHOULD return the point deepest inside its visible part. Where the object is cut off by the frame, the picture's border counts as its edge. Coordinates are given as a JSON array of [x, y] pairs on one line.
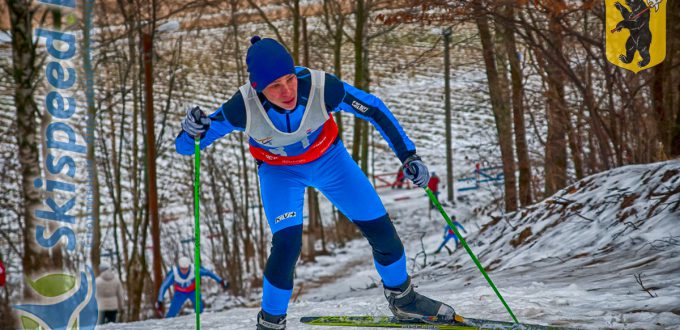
[[367, 321]]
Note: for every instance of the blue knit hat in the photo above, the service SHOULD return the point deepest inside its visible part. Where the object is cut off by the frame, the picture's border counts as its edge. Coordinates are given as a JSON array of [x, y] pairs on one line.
[[267, 61]]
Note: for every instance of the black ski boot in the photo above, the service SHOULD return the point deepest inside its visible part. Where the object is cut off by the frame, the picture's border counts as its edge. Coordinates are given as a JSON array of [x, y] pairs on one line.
[[266, 321], [408, 305]]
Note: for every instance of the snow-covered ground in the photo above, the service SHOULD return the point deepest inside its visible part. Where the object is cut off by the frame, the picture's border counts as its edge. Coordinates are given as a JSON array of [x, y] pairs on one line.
[[576, 266], [571, 260]]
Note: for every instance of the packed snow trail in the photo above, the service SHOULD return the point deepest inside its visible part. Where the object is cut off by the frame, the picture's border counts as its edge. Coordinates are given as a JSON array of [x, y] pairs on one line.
[[570, 272]]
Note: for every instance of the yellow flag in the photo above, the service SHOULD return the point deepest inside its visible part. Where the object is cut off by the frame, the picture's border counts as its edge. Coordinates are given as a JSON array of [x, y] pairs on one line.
[[635, 33]]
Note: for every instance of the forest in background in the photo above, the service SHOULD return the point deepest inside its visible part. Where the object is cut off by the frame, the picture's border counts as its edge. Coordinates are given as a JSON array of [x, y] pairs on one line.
[[546, 71]]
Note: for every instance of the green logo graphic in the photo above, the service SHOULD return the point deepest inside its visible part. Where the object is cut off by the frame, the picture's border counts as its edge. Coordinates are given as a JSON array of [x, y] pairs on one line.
[[68, 302]]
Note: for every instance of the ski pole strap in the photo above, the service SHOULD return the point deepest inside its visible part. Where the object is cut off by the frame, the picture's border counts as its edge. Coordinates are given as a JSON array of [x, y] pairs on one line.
[[434, 200], [197, 229]]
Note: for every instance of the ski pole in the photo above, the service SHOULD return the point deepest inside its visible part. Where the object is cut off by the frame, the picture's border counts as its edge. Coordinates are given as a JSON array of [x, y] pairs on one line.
[[197, 229], [434, 200]]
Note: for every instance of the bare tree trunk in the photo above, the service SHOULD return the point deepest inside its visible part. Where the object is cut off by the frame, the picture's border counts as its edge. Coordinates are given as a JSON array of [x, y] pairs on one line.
[[235, 266], [672, 84], [134, 266], [236, 35], [333, 12], [296, 30], [366, 129], [574, 130], [359, 79], [95, 248], [556, 143], [147, 42], [308, 250], [125, 65], [320, 233], [35, 258], [665, 95], [501, 110], [447, 115], [234, 262], [248, 245], [521, 146], [305, 42], [308, 235], [263, 245], [219, 208]]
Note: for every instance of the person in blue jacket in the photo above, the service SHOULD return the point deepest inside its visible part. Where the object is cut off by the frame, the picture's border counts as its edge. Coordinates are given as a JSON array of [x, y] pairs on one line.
[[449, 234], [286, 113], [182, 278]]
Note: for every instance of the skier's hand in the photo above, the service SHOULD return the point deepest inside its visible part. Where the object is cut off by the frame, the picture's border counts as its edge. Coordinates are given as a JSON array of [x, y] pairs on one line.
[[225, 285], [196, 122], [416, 171], [159, 308]]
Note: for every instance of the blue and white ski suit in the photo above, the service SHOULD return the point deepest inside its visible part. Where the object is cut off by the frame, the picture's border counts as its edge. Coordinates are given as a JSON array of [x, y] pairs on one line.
[[449, 234], [332, 171], [185, 288]]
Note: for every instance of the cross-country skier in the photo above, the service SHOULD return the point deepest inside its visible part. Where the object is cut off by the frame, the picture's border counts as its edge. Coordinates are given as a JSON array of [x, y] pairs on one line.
[[449, 234], [285, 111], [182, 277]]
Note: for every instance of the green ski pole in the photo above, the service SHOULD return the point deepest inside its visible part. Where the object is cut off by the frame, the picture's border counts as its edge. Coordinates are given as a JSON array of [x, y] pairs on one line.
[[197, 229], [434, 200]]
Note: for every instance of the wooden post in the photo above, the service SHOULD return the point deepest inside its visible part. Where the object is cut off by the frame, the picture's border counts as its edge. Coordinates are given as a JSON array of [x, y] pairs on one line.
[[447, 116]]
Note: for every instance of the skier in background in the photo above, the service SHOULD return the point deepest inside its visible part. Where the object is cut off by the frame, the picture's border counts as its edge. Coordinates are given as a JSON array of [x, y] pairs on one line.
[[182, 277], [449, 234], [286, 113]]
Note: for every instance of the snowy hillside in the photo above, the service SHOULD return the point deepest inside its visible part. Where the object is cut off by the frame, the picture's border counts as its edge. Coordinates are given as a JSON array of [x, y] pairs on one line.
[[572, 260]]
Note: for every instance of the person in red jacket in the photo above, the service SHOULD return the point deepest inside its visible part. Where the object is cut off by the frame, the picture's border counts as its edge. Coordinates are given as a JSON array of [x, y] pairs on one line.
[[433, 184], [399, 182], [2, 273]]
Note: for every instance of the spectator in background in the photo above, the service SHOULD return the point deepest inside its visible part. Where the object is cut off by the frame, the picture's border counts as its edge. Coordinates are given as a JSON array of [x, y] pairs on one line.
[[399, 183], [433, 184], [109, 294]]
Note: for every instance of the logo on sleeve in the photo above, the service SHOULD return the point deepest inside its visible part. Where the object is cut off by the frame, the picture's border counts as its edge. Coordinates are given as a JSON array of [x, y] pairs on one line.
[[285, 216], [362, 108]]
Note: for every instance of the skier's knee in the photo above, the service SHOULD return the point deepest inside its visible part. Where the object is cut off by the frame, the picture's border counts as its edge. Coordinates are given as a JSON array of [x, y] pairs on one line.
[[384, 240], [286, 246]]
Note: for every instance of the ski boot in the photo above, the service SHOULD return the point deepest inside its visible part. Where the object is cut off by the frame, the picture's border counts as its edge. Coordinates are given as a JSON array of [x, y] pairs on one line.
[[266, 321], [410, 306]]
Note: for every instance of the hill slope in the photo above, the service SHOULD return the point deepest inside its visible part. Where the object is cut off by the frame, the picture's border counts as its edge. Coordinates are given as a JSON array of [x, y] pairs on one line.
[[564, 271]]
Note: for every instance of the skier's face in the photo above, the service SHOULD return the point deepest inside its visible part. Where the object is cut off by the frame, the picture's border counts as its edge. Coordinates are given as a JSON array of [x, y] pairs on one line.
[[184, 270], [283, 92]]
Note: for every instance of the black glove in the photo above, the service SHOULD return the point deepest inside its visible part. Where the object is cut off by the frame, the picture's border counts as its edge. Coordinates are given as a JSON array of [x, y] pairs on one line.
[[196, 122], [159, 308], [225, 285], [416, 171]]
